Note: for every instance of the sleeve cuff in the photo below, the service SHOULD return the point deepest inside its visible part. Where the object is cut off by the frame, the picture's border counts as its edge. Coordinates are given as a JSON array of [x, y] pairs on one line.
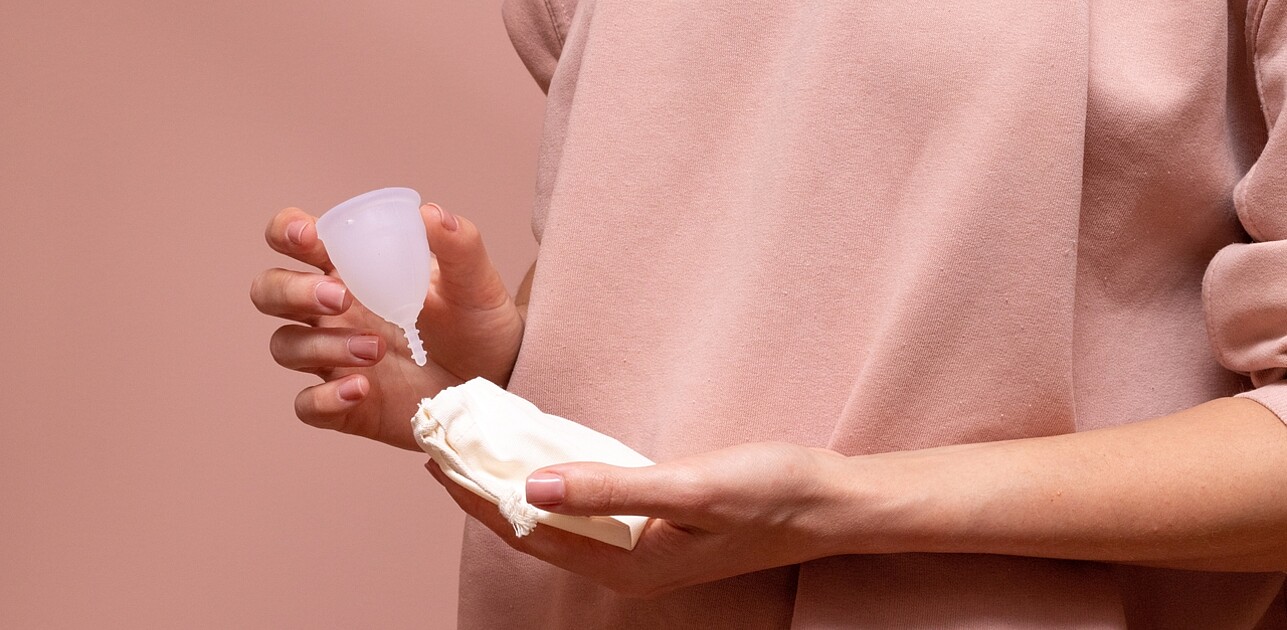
[[1272, 396]]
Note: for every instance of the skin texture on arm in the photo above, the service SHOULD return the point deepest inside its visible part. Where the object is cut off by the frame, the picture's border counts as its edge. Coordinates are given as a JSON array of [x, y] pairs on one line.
[[1202, 489]]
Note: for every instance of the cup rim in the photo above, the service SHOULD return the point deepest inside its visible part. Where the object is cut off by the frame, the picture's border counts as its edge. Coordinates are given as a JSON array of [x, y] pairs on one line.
[[368, 199]]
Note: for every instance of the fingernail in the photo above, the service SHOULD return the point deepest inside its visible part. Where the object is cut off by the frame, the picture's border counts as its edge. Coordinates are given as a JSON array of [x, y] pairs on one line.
[[352, 389], [448, 219], [295, 232], [331, 295], [544, 489], [364, 346]]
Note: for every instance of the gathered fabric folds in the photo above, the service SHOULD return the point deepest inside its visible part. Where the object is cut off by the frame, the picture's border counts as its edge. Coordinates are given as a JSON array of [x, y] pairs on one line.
[[489, 440]]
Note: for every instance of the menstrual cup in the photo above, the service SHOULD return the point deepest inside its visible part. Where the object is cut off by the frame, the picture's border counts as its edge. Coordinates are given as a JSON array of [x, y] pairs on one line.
[[378, 245]]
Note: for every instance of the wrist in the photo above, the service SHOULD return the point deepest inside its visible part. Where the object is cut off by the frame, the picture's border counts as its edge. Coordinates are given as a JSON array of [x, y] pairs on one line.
[[892, 503]]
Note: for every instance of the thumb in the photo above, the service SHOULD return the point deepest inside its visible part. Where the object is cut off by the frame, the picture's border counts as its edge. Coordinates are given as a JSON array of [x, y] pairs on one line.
[[467, 276], [594, 489]]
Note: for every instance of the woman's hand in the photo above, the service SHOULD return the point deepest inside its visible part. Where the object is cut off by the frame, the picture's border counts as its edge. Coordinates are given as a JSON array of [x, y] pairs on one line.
[[1201, 489], [469, 324], [718, 514]]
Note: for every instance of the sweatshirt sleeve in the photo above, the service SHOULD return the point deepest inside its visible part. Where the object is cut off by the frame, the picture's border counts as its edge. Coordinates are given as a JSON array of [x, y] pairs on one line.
[[538, 28], [1245, 289]]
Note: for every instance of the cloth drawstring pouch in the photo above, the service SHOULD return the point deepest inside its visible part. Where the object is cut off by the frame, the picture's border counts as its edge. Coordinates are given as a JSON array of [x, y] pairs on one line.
[[489, 440]]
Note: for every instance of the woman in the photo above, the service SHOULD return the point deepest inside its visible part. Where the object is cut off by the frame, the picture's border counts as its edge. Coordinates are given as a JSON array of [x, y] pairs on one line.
[[930, 312]]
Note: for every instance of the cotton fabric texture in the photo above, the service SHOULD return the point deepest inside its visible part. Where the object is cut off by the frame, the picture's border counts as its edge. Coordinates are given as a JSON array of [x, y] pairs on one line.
[[875, 226], [489, 440]]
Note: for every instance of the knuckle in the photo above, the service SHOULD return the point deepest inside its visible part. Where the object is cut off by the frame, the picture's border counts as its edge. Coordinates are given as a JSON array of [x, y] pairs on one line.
[[311, 409], [266, 287], [298, 347], [305, 406], [602, 495], [270, 230], [275, 233], [267, 291], [279, 343], [257, 290], [318, 346]]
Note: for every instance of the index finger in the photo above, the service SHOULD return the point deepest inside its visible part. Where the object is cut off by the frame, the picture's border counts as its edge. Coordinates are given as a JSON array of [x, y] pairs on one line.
[[294, 232]]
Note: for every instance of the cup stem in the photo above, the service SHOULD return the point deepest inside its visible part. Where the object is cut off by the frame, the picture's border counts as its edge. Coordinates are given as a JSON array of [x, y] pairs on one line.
[[413, 342]]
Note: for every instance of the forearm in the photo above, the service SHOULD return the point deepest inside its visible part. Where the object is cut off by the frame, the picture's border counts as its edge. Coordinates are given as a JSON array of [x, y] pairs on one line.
[[1201, 489]]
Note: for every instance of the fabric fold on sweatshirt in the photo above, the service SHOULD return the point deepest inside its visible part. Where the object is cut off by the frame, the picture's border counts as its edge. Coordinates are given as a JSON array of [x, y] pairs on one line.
[[875, 226]]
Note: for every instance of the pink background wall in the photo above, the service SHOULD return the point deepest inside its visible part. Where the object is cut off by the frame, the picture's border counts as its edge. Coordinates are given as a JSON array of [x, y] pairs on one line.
[[152, 472]]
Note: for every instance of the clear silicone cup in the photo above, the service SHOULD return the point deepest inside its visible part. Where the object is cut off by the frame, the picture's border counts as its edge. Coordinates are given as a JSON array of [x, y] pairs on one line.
[[378, 245]]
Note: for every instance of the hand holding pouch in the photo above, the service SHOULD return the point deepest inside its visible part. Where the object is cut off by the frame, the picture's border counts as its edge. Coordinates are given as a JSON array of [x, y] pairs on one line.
[[489, 440]]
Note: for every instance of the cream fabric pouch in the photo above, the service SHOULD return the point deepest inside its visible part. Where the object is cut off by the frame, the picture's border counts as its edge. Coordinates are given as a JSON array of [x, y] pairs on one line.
[[489, 440]]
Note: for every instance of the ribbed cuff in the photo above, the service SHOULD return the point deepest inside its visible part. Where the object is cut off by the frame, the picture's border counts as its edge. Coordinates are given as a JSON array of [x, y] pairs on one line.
[[1273, 396]]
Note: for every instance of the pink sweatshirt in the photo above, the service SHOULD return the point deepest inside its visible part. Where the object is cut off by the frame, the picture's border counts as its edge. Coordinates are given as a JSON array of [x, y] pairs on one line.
[[875, 226]]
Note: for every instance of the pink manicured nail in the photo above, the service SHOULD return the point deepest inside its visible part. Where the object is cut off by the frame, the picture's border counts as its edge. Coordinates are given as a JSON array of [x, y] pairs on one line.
[[364, 346], [544, 489], [295, 232], [352, 389], [331, 295], [448, 219]]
